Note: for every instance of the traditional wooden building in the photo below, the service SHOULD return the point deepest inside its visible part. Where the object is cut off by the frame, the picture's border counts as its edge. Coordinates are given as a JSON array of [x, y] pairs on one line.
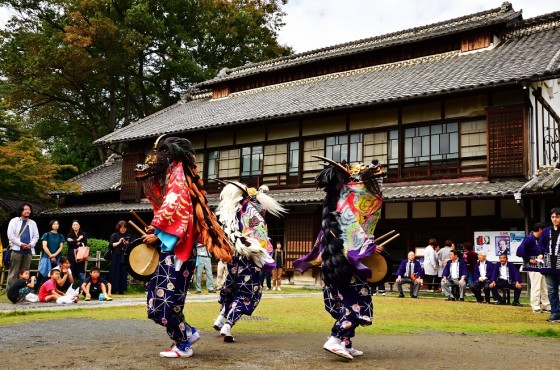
[[463, 114]]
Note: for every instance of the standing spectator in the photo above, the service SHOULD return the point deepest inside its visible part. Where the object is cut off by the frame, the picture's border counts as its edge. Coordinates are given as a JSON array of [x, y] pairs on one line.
[[76, 238], [49, 291], [439, 267], [21, 287], [430, 264], [118, 274], [203, 264], [551, 243], [454, 274], [266, 275], [481, 278], [505, 275], [23, 235], [443, 257], [222, 272], [529, 249], [66, 279], [52, 248], [409, 272], [470, 258], [278, 257]]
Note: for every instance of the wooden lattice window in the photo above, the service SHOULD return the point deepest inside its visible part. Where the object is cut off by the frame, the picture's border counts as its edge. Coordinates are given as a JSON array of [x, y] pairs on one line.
[[299, 237], [507, 141], [130, 188]]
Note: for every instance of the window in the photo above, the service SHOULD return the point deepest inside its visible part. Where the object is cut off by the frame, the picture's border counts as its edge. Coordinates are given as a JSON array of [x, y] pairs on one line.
[[293, 158], [436, 144], [251, 161], [393, 156], [213, 164], [344, 147]]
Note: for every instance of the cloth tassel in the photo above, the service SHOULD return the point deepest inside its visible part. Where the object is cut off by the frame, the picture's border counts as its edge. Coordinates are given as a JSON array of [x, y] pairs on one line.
[[250, 248]]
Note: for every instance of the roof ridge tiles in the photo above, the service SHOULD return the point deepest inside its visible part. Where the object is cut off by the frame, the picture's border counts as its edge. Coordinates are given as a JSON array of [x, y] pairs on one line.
[[505, 12], [95, 169], [353, 72], [533, 25]]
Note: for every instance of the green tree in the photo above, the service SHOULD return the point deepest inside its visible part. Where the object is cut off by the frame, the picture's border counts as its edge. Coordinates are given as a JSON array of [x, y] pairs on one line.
[[80, 69], [27, 173]]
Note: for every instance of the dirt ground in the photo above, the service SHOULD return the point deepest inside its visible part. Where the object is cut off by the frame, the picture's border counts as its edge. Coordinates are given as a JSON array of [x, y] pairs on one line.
[[134, 344]]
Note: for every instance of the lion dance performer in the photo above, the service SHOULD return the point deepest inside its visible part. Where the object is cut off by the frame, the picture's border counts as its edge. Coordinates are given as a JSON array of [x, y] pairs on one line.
[[241, 213], [181, 217], [351, 209]]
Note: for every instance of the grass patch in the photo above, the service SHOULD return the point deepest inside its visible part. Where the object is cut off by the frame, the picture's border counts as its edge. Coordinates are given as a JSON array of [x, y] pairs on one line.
[[307, 315]]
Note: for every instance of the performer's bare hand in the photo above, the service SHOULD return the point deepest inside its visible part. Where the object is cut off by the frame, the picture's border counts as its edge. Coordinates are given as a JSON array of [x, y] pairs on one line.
[[150, 229], [378, 249], [149, 238]]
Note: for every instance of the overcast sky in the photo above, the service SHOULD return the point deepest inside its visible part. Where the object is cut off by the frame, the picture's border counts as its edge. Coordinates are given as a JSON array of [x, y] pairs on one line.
[[313, 24]]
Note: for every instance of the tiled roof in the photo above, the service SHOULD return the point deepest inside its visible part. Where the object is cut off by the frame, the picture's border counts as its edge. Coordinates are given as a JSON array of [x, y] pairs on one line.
[[501, 15], [531, 53], [115, 207], [499, 188], [103, 178], [11, 205], [503, 188], [546, 180]]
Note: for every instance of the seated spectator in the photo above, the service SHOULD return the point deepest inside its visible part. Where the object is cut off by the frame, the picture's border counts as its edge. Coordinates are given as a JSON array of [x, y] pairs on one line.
[[481, 275], [95, 285], [377, 288], [66, 278], [505, 275], [49, 290], [22, 286], [454, 274], [409, 272]]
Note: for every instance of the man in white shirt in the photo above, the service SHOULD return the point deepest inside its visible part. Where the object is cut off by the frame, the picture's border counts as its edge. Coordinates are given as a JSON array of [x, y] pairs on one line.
[[23, 235], [454, 274], [505, 275], [481, 278]]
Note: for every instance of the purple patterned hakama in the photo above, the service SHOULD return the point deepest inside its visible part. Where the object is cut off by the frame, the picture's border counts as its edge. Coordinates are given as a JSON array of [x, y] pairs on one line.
[[167, 291]]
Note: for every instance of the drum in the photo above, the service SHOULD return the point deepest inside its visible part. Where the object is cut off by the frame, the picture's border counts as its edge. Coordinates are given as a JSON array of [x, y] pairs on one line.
[[141, 259], [380, 266]]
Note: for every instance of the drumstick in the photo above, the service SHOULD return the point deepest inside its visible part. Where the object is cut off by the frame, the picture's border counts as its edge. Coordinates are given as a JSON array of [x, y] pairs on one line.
[[142, 232], [388, 240], [138, 218], [384, 235]]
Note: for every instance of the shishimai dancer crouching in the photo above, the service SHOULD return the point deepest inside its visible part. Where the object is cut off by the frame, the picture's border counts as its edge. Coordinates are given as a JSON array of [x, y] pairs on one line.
[[241, 213], [181, 217], [351, 209]]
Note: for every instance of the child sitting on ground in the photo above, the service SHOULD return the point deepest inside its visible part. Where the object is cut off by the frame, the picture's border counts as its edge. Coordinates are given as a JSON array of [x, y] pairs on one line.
[[49, 290], [95, 285], [22, 287]]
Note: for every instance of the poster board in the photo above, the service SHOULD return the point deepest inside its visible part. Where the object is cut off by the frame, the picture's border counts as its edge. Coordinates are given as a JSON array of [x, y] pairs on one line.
[[494, 242]]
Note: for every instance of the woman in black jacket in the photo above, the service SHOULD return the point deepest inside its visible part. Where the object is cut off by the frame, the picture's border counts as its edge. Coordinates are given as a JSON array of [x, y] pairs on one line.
[[76, 238], [117, 272]]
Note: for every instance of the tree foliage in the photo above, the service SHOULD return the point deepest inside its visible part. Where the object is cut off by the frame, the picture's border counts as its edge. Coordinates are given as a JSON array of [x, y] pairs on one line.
[[27, 173], [80, 69]]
